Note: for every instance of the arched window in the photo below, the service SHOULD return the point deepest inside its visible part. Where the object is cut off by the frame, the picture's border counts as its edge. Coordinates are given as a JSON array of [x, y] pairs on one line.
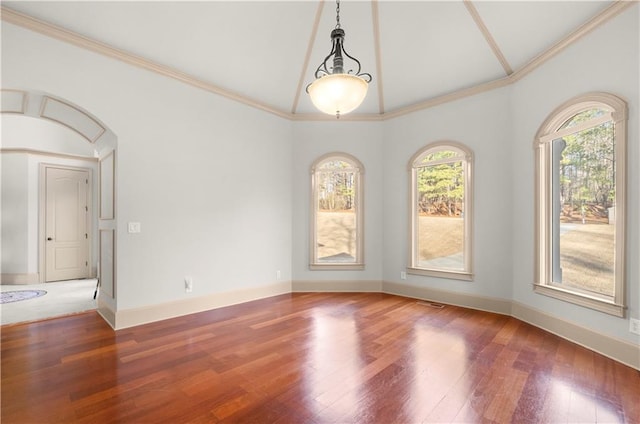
[[336, 213], [441, 211], [580, 203]]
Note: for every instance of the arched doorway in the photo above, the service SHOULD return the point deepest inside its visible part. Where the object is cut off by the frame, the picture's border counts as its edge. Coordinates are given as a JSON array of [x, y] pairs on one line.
[[42, 131]]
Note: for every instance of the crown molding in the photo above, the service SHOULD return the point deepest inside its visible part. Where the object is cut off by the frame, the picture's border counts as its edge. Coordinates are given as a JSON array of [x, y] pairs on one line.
[[351, 117], [54, 31], [449, 97]]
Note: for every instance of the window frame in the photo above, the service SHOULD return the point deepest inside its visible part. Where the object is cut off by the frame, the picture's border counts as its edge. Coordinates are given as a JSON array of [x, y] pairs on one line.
[[551, 130], [359, 263], [466, 157]]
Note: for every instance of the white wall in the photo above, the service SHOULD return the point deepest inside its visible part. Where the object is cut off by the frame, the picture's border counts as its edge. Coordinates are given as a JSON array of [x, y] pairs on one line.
[[15, 204], [605, 60], [212, 192], [481, 123], [222, 190], [38, 134], [20, 185], [362, 140]]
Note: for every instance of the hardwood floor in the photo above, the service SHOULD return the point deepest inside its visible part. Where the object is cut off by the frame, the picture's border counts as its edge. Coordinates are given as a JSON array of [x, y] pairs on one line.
[[310, 358]]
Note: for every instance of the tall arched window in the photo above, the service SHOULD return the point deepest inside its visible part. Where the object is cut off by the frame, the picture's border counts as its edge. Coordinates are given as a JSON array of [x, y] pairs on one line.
[[441, 211], [580, 203], [336, 213]]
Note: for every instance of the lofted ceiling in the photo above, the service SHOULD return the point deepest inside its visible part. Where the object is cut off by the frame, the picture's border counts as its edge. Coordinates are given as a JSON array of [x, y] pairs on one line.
[[264, 53]]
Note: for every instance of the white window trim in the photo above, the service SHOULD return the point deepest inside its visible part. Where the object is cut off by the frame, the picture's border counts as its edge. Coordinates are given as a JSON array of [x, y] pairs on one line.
[[359, 202], [542, 249], [467, 157]]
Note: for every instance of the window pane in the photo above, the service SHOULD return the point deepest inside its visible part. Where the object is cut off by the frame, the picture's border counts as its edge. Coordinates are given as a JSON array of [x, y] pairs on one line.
[[440, 216], [441, 154], [583, 192], [336, 213], [583, 117]]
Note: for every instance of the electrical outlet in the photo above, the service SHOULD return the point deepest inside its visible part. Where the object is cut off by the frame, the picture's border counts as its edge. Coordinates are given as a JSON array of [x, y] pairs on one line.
[[188, 284], [634, 325], [278, 275], [403, 275]]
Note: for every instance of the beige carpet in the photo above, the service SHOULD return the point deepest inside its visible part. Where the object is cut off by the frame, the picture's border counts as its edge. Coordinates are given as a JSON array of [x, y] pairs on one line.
[[62, 298]]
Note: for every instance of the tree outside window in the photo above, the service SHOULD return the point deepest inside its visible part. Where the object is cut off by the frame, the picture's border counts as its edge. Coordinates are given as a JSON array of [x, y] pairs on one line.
[[336, 235], [580, 196], [440, 211]]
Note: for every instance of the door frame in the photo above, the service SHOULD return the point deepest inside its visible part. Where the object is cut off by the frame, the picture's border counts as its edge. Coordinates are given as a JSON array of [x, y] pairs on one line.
[[42, 211]]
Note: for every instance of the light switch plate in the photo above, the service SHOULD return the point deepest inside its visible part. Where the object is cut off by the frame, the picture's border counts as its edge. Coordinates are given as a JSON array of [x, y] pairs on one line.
[[134, 227]]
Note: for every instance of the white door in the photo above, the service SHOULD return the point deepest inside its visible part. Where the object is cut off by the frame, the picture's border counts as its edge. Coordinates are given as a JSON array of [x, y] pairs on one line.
[[67, 224]]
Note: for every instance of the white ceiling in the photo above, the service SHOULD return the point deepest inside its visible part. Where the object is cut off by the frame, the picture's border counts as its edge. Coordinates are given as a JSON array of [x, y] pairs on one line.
[[416, 51]]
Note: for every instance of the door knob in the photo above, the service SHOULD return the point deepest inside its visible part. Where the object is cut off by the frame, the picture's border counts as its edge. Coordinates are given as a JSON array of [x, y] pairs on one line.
[[49, 239]]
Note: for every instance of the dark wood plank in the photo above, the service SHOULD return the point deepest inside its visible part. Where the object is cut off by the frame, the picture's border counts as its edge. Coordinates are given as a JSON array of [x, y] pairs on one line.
[[309, 358]]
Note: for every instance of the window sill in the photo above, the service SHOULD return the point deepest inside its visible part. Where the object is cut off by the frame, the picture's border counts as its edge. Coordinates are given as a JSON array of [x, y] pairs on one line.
[[592, 302], [454, 275], [336, 267]]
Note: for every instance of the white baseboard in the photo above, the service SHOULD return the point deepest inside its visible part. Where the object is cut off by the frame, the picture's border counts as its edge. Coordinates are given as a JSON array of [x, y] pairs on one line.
[[489, 304], [365, 286], [137, 316], [616, 349], [32, 278], [611, 347], [107, 313]]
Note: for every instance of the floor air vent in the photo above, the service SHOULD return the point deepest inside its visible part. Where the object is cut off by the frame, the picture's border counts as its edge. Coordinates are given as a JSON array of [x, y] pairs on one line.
[[431, 304]]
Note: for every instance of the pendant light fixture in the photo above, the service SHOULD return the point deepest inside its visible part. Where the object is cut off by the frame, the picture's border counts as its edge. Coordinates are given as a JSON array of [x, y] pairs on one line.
[[336, 91]]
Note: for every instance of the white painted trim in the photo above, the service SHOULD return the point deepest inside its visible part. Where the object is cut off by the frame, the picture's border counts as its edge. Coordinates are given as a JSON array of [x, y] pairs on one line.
[[453, 275], [111, 292], [482, 303], [23, 105], [582, 298], [30, 278], [488, 37], [578, 128], [106, 312], [307, 56], [316, 117], [611, 347], [76, 39], [109, 185], [449, 97], [42, 217], [375, 16], [43, 114], [48, 154], [348, 286], [466, 157], [79, 40], [137, 316], [358, 170], [547, 132]]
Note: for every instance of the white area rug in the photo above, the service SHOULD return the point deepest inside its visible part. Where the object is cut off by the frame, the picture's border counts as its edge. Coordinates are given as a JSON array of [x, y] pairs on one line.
[[18, 295], [62, 298]]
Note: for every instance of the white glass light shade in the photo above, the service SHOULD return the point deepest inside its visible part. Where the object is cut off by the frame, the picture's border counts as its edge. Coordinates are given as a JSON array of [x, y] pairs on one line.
[[338, 94]]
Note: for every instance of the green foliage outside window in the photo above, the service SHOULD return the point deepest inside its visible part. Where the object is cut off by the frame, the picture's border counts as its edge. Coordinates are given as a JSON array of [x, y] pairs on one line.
[[441, 186]]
